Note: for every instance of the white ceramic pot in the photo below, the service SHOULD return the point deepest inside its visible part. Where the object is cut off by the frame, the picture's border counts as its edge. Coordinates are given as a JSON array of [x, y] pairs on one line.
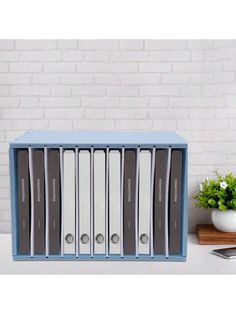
[[224, 221]]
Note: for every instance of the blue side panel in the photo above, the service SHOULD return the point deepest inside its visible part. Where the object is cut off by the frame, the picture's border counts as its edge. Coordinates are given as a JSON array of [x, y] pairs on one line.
[[185, 203], [13, 191]]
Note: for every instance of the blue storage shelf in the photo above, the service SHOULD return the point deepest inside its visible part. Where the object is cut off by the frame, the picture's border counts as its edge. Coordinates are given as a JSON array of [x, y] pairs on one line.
[[98, 139]]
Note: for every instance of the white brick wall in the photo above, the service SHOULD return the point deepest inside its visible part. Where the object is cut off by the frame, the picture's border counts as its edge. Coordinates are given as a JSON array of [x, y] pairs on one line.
[[183, 85]]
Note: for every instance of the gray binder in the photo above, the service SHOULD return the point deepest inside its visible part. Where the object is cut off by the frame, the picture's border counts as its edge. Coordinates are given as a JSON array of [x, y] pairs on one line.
[[54, 201], [175, 203], [160, 176], [23, 202], [39, 201], [129, 202]]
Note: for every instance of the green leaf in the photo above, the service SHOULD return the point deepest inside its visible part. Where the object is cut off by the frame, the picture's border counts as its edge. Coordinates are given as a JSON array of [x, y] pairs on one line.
[[212, 202], [222, 207]]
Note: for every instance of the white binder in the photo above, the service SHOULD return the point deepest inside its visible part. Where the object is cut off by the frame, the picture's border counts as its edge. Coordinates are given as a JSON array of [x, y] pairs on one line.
[[84, 202], [69, 202], [76, 202], [99, 202], [144, 201], [62, 198], [114, 202]]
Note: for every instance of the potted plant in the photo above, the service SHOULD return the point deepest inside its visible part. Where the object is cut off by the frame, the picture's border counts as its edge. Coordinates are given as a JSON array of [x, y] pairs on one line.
[[219, 194]]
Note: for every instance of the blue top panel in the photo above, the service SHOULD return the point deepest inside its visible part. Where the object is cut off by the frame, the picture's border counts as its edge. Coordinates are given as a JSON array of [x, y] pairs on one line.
[[98, 138]]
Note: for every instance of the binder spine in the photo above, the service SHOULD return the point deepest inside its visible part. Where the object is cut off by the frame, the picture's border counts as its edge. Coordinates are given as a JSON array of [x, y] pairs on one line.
[[114, 202], [99, 201], [84, 202], [76, 202], [175, 203], [144, 204], [167, 203], [31, 177], [153, 156], [39, 200], [62, 199], [136, 203], [69, 201], [47, 202], [122, 203], [106, 204], [92, 202]]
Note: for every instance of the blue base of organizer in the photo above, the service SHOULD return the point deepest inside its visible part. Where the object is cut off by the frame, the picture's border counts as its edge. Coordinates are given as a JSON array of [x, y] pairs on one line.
[[160, 258]]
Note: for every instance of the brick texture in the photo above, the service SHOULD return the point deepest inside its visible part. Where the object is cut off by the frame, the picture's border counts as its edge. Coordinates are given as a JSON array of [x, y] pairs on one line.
[[188, 86]]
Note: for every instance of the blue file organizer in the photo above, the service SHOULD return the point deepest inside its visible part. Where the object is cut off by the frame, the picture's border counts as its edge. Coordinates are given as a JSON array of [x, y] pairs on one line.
[[98, 139]]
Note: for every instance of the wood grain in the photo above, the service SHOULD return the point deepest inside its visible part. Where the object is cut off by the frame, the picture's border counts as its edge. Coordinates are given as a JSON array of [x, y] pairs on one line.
[[208, 234]]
